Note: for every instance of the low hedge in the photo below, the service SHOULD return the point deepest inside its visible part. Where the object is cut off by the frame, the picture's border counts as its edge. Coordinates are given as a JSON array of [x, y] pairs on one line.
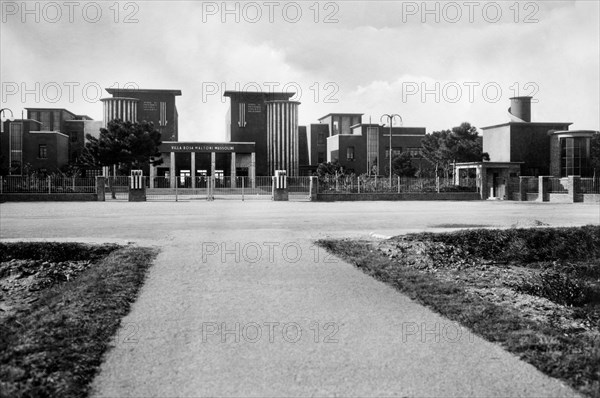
[[527, 245], [54, 251]]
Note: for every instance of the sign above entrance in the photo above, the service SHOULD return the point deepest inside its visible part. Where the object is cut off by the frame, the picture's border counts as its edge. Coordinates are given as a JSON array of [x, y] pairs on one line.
[[237, 147]]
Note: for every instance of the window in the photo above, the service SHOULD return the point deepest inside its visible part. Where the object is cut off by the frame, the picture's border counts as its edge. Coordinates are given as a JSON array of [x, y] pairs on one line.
[[242, 115], [91, 173], [321, 139], [350, 153], [43, 151], [396, 151], [55, 120], [575, 156], [163, 114], [320, 157], [372, 149], [16, 148], [45, 120], [73, 136], [415, 152], [336, 127]]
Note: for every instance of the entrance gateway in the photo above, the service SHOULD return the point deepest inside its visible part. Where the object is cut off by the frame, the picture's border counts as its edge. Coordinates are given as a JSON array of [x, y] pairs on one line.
[[187, 164]]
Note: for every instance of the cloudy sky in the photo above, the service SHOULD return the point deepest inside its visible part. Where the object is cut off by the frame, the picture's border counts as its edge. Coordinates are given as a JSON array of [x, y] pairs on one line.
[[436, 64]]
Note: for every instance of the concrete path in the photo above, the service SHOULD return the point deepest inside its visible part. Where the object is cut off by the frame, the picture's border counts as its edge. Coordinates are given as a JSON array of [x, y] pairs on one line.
[[241, 303]]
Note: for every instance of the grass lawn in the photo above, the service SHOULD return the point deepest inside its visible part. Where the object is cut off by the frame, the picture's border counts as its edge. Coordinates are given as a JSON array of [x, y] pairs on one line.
[[536, 292], [60, 306]]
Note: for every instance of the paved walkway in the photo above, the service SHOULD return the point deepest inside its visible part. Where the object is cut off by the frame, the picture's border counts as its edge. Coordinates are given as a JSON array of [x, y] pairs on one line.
[[240, 302]]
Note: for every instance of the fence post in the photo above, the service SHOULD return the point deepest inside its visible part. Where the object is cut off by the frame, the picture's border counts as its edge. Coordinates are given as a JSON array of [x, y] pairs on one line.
[[1, 184], [49, 184], [574, 187], [100, 188], [398, 184], [207, 188], [242, 188], [543, 185], [213, 185], [358, 184], [176, 184], [522, 189], [314, 184]]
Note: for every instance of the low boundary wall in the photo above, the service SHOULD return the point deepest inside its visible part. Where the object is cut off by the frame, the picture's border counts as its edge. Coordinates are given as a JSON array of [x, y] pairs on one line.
[[591, 197], [333, 197], [558, 190], [48, 197]]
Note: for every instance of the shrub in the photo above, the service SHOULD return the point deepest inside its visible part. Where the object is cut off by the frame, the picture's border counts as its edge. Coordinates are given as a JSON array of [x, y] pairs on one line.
[[529, 245], [557, 287], [53, 251]]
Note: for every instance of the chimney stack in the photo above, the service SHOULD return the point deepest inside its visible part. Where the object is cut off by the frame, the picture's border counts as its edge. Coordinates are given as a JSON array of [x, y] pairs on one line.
[[520, 109]]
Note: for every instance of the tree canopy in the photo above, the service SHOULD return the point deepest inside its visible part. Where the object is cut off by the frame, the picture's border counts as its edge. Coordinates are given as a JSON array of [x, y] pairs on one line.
[[402, 165], [329, 169], [124, 143], [460, 144]]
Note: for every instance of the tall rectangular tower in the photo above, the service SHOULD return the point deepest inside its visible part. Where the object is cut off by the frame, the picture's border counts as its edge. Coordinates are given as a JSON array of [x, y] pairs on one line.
[[156, 106], [271, 121]]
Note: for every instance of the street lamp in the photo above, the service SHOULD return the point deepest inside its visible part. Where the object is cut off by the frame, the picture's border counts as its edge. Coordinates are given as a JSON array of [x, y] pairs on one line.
[[2, 113], [391, 121], [5, 109]]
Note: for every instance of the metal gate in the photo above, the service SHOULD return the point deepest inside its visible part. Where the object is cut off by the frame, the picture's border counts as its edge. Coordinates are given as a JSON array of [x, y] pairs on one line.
[[159, 189], [207, 188], [242, 188]]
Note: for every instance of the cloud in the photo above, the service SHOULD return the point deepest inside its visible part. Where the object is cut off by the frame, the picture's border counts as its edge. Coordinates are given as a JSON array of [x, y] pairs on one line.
[[357, 64]]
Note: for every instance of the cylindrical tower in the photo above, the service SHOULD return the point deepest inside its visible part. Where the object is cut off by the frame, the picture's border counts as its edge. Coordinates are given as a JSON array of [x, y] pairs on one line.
[[282, 136], [570, 152], [120, 108], [520, 109]]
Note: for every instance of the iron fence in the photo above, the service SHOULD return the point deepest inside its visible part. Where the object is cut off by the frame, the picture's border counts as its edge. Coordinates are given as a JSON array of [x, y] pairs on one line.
[[260, 187], [514, 187], [376, 184], [298, 188], [556, 185], [180, 188], [210, 188], [241, 188], [116, 187], [49, 185], [590, 185]]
